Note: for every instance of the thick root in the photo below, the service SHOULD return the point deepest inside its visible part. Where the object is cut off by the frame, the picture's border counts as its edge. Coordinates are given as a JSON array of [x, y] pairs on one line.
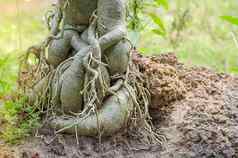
[[59, 49], [117, 57], [111, 118], [72, 84]]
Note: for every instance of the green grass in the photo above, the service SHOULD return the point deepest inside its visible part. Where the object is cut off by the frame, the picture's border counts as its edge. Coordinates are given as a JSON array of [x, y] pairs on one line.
[[18, 120]]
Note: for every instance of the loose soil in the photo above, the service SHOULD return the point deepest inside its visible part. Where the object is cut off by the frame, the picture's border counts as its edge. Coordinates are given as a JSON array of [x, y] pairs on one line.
[[196, 109]]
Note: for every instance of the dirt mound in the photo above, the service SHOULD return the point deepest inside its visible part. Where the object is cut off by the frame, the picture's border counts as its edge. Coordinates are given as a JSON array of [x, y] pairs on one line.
[[205, 122], [196, 110], [163, 78]]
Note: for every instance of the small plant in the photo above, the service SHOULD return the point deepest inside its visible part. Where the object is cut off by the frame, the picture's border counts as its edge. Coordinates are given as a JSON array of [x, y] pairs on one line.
[[143, 13], [17, 120]]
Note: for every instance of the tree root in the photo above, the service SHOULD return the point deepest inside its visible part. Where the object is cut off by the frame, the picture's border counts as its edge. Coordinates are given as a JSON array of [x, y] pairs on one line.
[[112, 117], [106, 110]]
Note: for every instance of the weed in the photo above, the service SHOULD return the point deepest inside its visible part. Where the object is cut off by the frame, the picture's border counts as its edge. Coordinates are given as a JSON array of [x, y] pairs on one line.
[[17, 120]]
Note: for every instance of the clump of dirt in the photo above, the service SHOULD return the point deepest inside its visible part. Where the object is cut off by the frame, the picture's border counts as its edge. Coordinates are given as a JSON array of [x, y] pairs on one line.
[[163, 78], [195, 108]]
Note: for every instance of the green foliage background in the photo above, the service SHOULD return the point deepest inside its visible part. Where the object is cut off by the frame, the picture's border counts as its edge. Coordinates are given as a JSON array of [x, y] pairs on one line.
[[192, 29], [204, 38]]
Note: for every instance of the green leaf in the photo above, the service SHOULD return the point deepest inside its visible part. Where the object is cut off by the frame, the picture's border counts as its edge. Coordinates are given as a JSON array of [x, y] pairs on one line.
[[159, 32], [233, 69], [157, 20], [231, 19], [163, 3]]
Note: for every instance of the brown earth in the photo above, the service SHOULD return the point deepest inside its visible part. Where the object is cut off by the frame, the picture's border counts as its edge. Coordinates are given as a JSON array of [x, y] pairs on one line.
[[195, 108]]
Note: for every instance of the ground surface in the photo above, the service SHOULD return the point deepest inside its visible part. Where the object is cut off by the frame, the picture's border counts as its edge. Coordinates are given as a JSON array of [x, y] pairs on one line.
[[198, 114]]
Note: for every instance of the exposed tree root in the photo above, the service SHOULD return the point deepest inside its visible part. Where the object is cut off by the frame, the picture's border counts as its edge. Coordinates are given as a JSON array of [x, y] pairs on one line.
[[81, 84], [113, 116]]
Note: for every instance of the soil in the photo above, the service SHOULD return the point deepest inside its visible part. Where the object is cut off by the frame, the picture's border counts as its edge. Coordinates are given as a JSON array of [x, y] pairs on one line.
[[195, 108]]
